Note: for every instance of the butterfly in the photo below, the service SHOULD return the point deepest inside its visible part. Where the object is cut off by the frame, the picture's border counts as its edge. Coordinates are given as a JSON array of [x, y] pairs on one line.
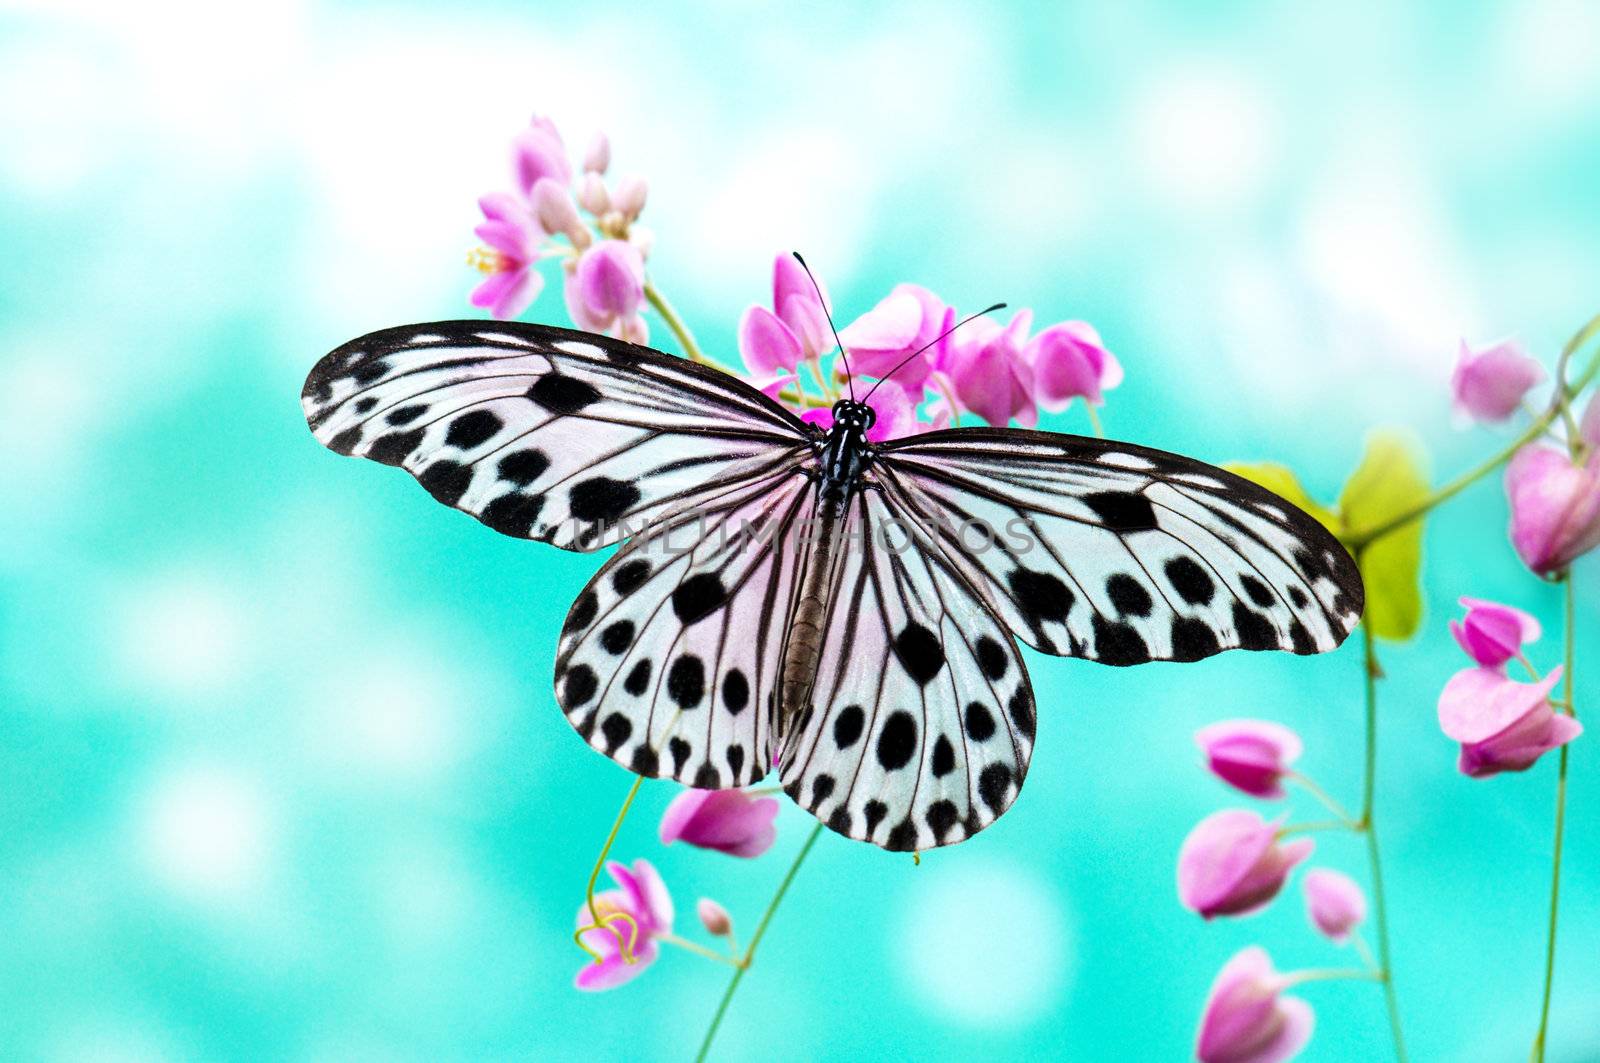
[[796, 599]]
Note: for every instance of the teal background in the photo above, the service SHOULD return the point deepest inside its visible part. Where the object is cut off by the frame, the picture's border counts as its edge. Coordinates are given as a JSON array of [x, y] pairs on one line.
[[281, 775]]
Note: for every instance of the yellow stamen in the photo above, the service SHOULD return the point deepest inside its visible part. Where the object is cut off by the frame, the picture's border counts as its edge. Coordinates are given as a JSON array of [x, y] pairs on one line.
[[485, 260]]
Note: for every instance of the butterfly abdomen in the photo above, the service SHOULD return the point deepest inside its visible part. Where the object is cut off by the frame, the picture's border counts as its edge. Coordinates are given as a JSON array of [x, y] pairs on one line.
[[802, 650]]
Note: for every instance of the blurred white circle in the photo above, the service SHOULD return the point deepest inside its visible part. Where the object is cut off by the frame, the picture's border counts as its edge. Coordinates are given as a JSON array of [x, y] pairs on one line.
[[206, 834], [985, 944]]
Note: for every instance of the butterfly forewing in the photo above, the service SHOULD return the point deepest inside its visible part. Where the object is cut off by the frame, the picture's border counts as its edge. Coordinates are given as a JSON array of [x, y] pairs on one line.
[[1122, 554], [542, 433], [922, 718]]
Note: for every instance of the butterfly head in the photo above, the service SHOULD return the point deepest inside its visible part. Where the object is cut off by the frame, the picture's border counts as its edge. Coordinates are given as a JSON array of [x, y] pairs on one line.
[[858, 415]]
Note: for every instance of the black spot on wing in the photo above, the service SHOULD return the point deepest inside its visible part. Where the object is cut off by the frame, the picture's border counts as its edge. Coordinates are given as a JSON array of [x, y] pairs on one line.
[[602, 498], [992, 658], [735, 691], [522, 467], [847, 726], [1193, 583], [394, 448], [638, 679], [698, 597], [1041, 595], [473, 429], [630, 576], [686, 681], [1118, 643], [582, 613], [1122, 511], [446, 480], [1128, 595], [897, 741], [563, 394], [919, 653], [979, 722]]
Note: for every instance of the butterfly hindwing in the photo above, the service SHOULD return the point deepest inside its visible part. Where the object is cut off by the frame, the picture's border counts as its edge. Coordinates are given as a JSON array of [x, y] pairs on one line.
[[1122, 554], [922, 718], [670, 655], [542, 433]]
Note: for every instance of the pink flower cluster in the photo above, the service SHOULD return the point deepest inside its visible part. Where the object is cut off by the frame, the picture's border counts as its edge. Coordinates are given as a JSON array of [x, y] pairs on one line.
[[1235, 863], [727, 821], [603, 256], [1501, 724], [998, 372], [1554, 491]]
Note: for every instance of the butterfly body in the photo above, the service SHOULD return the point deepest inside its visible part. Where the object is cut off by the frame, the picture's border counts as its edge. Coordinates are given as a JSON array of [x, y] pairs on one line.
[[854, 608]]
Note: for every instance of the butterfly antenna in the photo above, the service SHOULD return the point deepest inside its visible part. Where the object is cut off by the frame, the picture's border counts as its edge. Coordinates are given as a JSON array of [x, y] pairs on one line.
[[930, 343], [849, 377]]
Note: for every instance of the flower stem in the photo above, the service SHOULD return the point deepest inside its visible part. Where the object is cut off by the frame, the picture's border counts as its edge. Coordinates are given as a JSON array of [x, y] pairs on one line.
[[1331, 974], [669, 314], [1564, 395], [624, 948], [744, 962], [698, 949], [1094, 420], [1316, 825], [1561, 815], [1385, 972], [1322, 795]]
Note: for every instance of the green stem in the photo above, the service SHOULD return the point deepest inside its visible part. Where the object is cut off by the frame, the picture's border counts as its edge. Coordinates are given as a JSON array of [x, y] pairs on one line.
[[1330, 974], [1368, 787], [1317, 825], [698, 949], [750, 949], [1094, 420], [1561, 815], [624, 948], [1564, 395], [669, 314], [1322, 795]]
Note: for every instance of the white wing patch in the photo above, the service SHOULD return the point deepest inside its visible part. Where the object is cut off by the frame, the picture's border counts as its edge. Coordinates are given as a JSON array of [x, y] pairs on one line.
[[543, 433]]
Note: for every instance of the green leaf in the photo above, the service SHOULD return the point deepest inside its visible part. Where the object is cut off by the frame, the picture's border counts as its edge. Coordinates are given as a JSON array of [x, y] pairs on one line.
[[1281, 481], [1391, 479]]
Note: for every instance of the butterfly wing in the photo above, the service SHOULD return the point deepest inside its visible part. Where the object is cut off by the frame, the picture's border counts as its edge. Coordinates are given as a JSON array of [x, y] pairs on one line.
[[922, 718], [670, 656], [543, 433], [1122, 554]]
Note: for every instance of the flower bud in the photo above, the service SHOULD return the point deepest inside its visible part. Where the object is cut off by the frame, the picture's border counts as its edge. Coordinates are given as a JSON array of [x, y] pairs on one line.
[[1555, 506], [1488, 385], [1232, 863], [1250, 755], [592, 194], [1247, 1020], [629, 196], [598, 157], [1334, 902], [714, 917], [553, 206], [729, 821], [1492, 633]]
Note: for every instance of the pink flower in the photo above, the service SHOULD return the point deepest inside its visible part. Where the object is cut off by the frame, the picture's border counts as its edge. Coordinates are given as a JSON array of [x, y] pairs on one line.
[[538, 153], [729, 821], [794, 298], [1555, 506], [896, 414], [606, 290], [795, 329], [908, 318], [1249, 755], [1492, 633], [513, 238], [1488, 385], [1069, 361], [1232, 864], [1502, 725], [714, 917], [1247, 1020], [644, 897], [1334, 902], [991, 376]]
